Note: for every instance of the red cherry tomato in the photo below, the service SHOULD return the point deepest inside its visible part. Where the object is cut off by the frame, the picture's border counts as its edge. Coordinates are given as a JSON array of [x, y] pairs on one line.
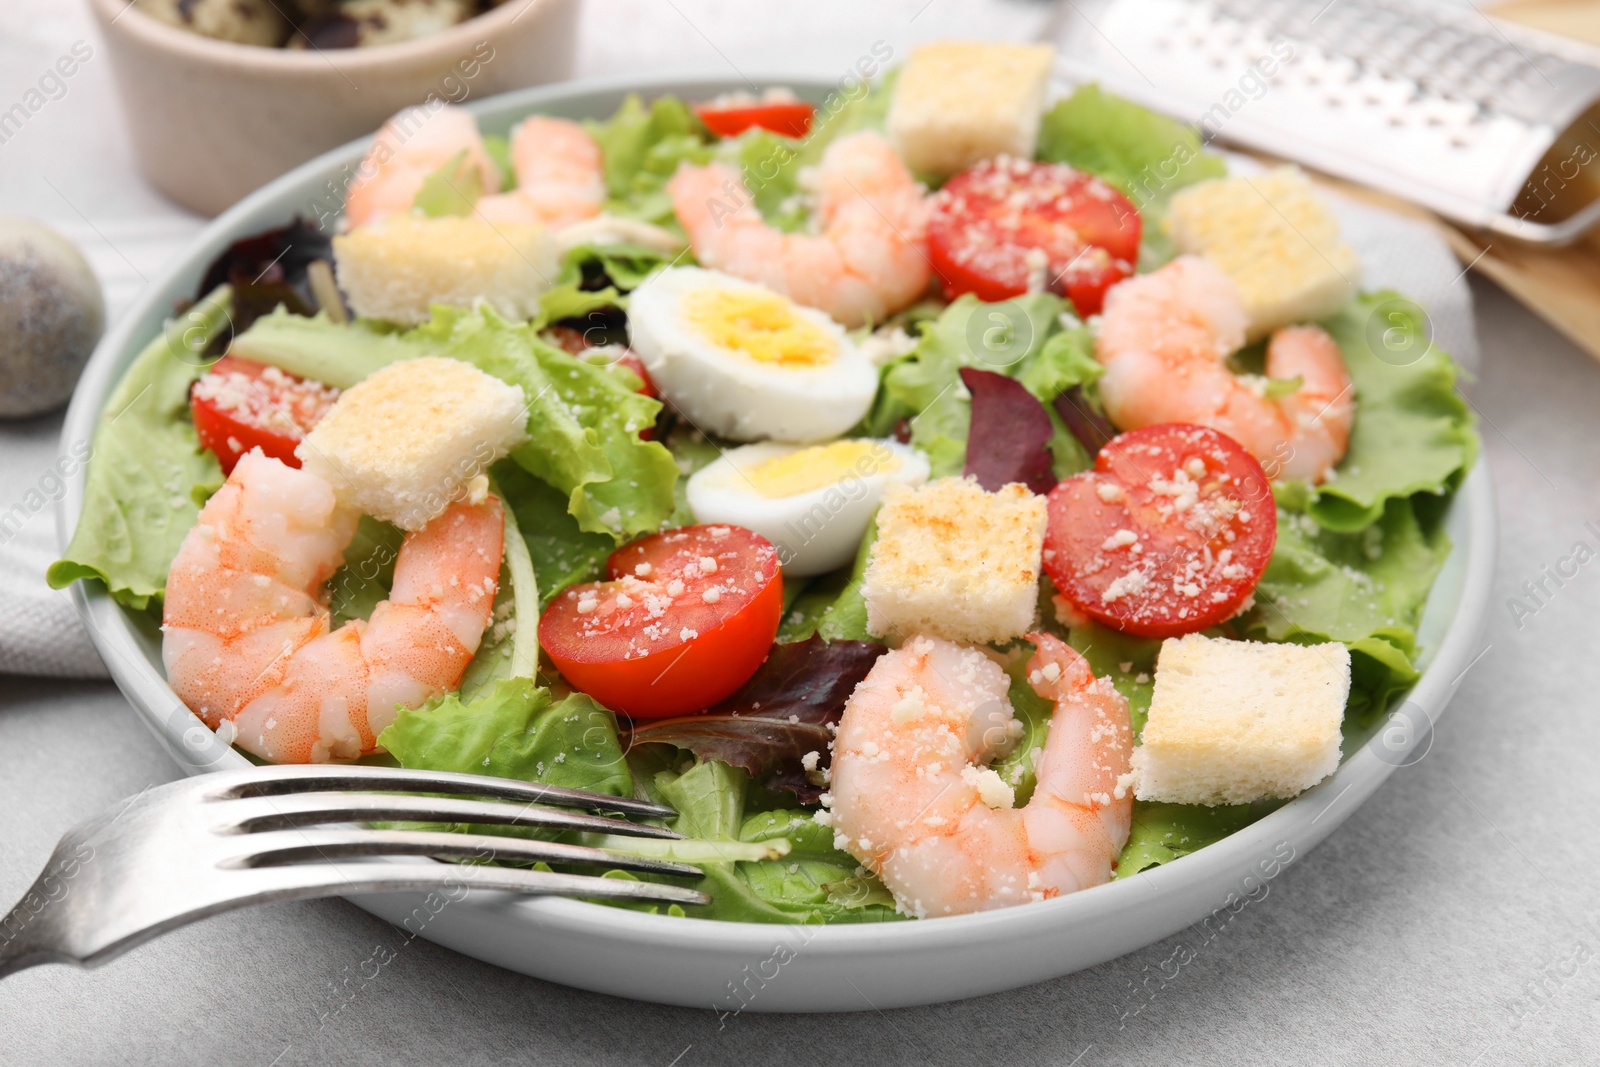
[[239, 405], [997, 223], [791, 119], [1168, 534], [686, 617]]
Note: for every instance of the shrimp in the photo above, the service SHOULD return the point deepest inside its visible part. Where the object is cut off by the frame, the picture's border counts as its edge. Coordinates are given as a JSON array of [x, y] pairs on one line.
[[411, 146], [247, 636], [913, 799], [1164, 339], [559, 178], [869, 257]]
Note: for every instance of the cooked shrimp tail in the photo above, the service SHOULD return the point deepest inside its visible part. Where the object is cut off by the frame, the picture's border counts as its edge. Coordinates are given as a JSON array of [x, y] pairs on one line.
[[868, 258], [559, 177], [1164, 340], [914, 799], [247, 633]]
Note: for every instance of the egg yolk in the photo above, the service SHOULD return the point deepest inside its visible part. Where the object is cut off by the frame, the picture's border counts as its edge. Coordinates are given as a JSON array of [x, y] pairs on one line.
[[762, 325], [820, 466]]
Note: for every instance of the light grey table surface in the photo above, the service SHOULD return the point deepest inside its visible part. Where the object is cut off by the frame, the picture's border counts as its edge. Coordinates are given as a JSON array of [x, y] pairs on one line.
[[1453, 919]]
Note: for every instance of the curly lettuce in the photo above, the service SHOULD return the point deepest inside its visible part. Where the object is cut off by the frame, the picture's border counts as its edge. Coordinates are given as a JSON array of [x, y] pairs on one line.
[[642, 147], [147, 474], [516, 729], [1414, 433], [1023, 338], [810, 881]]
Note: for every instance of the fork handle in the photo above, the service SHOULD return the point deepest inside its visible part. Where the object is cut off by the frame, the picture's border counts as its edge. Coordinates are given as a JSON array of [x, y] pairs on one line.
[[31, 934], [45, 932]]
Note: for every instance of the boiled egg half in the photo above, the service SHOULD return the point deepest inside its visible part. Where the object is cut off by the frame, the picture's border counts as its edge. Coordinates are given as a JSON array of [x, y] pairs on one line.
[[812, 502], [745, 363]]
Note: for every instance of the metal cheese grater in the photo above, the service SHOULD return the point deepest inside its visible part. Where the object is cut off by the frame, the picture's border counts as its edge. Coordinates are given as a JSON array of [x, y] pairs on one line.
[[1492, 125]]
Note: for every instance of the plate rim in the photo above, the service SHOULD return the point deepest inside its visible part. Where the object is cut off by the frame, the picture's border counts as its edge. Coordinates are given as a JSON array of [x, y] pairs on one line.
[[112, 632]]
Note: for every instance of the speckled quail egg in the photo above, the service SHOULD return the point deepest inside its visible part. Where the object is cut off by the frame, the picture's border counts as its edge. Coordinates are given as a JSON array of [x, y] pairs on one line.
[[51, 315], [257, 22], [368, 23]]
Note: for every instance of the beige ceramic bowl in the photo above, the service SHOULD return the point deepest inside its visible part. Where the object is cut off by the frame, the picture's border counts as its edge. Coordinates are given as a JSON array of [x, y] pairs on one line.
[[211, 121]]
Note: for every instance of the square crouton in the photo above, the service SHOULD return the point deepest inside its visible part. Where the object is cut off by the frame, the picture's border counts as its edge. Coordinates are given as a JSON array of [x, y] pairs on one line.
[[401, 444], [1235, 721], [397, 269], [954, 561], [959, 102], [1276, 238]]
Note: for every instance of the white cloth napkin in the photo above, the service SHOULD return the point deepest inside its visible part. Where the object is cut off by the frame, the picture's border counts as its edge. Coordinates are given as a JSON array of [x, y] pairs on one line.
[[40, 631]]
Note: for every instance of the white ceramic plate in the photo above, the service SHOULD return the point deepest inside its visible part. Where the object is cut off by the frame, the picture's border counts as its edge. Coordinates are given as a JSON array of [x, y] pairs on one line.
[[740, 966]]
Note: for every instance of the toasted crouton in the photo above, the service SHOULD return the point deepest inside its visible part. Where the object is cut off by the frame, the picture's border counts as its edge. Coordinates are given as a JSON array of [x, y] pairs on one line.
[[403, 443], [954, 561], [397, 269], [1235, 721], [960, 102], [1276, 238]]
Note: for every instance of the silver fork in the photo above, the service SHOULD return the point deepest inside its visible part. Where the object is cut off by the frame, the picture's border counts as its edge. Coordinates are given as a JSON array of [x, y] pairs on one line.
[[205, 845]]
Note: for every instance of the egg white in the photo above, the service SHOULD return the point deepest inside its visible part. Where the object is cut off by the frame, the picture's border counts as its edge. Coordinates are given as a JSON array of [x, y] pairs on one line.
[[726, 392], [815, 531]]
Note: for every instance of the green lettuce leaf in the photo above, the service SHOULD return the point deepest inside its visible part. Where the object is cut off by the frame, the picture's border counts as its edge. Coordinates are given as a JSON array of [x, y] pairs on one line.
[[569, 301], [583, 421], [452, 190], [627, 265], [1413, 433], [140, 494], [641, 148], [692, 450], [363, 581], [1146, 155], [814, 879], [563, 554], [514, 729], [845, 619], [805, 610], [1023, 338], [1163, 832], [813, 883], [498, 148], [339, 354]]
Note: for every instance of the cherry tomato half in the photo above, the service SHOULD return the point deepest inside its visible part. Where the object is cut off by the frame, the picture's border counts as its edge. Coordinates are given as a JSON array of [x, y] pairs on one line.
[[1168, 534], [994, 225], [791, 119], [684, 619], [238, 405]]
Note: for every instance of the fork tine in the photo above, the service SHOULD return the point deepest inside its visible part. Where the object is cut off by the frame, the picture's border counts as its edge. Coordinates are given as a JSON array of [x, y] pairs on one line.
[[287, 810], [263, 781], [303, 881], [295, 846]]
